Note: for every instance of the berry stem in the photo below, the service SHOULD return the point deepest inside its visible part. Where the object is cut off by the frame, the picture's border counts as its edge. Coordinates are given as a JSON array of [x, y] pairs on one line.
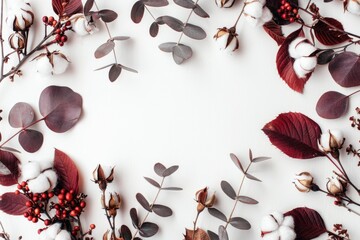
[[186, 22]]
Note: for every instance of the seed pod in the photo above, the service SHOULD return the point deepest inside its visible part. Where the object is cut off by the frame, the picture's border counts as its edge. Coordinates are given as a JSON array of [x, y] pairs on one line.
[[17, 41], [20, 15]]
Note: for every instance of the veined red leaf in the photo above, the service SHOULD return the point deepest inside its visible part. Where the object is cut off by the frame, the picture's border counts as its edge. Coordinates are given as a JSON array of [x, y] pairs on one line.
[[66, 170], [331, 32], [31, 140], [332, 105], [13, 204], [21, 115], [345, 69], [275, 32], [284, 64], [70, 7], [308, 223], [9, 168], [295, 134]]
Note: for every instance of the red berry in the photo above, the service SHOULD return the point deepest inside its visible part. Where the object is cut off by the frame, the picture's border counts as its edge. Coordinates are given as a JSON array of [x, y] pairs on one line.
[[82, 204], [34, 220], [29, 204], [17, 192], [26, 214], [292, 20], [58, 39], [92, 226], [68, 23], [47, 222], [64, 215], [61, 44], [44, 196], [23, 184], [76, 228], [63, 191], [45, 19], [283, 16], [78, 209], [30, 218], [74, 213], [50, 194], [73, 233], [50, 19], [68, 195], [61, 196], [40, 230], [37, 211], [35, 199], [54, 23], [19, 186]]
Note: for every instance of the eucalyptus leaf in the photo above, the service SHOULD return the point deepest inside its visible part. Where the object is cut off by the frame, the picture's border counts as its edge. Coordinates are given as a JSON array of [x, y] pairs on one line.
[[194, 32], [228, 189], [216, 213], [104, 49], [240, 223], [148, 229], [143, 202]]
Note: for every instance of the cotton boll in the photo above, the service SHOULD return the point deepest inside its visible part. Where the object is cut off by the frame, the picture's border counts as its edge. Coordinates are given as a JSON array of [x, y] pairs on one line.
[[51, 63], [278, 216], [39, 184], [30, 170], [224, 3], [308, 63], [44, 236], [300, 72], [266, 15], [43, 66], [353, 7], [268, 224], [81, 26], [293, 47], [227, 40], [52, 178], [44, 165], [254, 9], [287, 233], [53, 230], [63, 235], [305, 49], [20, 15], [272, 236], [60, 63]]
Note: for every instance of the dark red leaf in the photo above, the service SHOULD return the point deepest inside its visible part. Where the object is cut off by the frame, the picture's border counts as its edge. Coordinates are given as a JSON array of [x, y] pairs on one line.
[[172, 22], [345, 69], [228, 189], [325, 57], [134, 218], [240, 223], [284, 64], [200, 12], [114, 72], [295, 134], [236, 161], [9, 168], [143, 202], [69, 8], [125, 232], [331, 32], [104, 49], [159, 169], [246, 200], [212, 235], [61, 108], [274, 5], [275, 32], [308, 223], [137, 11], [88, 5], [13, 204], [154, 29], [21, 115], [170, 171], [161, 210], [216, 213], [31, 140], [153, 182], [332, 105], [67, 171], [107, 15]]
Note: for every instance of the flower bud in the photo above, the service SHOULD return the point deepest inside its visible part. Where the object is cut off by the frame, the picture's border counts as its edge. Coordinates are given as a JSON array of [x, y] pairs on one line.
[[224, 3], [276, 226], [81, 25], [51, 63], [331, 141], [17, 41], [353, 6], [227, 39], [103, 176], [256, 13], [336, 185], [20, 15], [303, 182]]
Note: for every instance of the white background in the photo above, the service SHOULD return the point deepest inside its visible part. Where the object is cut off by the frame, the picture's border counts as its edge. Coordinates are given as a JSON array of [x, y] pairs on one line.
[[191, 115]]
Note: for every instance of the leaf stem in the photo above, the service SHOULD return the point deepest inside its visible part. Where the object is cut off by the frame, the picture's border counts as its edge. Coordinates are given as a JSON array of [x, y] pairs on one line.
[[22, 129], [148, 10], [195, 223], [186, 22]]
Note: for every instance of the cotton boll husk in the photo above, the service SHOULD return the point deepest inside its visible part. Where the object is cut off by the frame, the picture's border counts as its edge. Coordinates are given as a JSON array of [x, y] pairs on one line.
[[60, 64], [289, 222], [305, 49], [43, 66], [293, 47], [39, 184], [30, 170], [301, 187], [221, 41], [287, 233], [272, 236], [107, 170], [53, 230], [254, 9], [300, 72], [308, 63], [268, 224], [63, 235], [229, 3], [353, 7], [52, 178]]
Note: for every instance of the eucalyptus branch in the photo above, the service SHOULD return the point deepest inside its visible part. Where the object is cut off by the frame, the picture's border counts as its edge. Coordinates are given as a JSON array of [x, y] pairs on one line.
[[186, 22]]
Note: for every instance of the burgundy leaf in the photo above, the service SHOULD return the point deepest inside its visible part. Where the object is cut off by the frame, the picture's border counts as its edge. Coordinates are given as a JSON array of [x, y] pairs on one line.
[[21, 115], [260, 159], [61, 108], [223, 235], [114, 72], [295, 134], [153, 182], [236, 161], [9, 168], [228, 189], [275, 32], [345, 69], [173, 23], [154, 29], [120, 38], [125, 232], [212, 235], [167, 47], [66, 8], [134, 218], [104, 49], [284, 64], [249, 176], [332, 105], [148, 229], [172, 188], [107, 15], [325, 57], [31, 140], [88, 5], [67, 171], [308, 223], [216, 213], [181, 53], [155, 3], [137, 11], [57, 7], [185, 3], [143, 202], [161, 210], [194, 32], [274, 5], [240, 223], [331, 32], [159, 169], [13, 204]]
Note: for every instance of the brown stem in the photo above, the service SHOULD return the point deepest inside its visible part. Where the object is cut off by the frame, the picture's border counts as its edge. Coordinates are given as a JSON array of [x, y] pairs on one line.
[[338, 236], [186, 22], [195, 222], [6, 236], [106, 212], [241, 13]]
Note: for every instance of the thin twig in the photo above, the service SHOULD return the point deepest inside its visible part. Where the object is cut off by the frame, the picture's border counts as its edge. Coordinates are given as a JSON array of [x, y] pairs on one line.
[[241, 13], [1, 39], [186, 22], [148, 10]]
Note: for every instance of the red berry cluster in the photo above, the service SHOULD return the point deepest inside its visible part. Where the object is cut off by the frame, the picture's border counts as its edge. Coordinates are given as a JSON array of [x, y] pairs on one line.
[[355, 122], [59, 29], [288, 12], [69, 204]]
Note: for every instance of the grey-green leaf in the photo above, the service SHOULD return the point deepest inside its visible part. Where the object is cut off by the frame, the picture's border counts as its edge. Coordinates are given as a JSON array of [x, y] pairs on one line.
[[216, 213], [114, 72], [167, 47], [170, 171], [159, 169], [185, 3], [104, 49], [173, 23], [194, 32], [212, 235], [161, 210], [143, 202], [240, 223], [223, 235], [249, 176], [260, 159], [200, 12], [148, 229], [247, 200], [237, 162], [228, 189], [153, 182]]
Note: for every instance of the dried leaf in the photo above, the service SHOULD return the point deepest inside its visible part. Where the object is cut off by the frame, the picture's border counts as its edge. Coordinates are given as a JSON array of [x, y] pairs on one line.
[[308, 223], [246, 200], [68, 176], [173, 23], [31, 140], [216, 213], [161, 210], [107, 15], [240, 223], [228, 189], [153, 182], [199, 234], [345, 69], [61, 108], [223, 235], [155, 3], [330, 33], [194, 32], [143, 202], [237, 162], [137, 12], [105, 236], [295, 134], [170, 171], [104, 49], [275, 32], [9, 168], [114, 72], [154, 29], [13, 204], [332, 105], [159, 169], [148, 229], [21, 115]]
